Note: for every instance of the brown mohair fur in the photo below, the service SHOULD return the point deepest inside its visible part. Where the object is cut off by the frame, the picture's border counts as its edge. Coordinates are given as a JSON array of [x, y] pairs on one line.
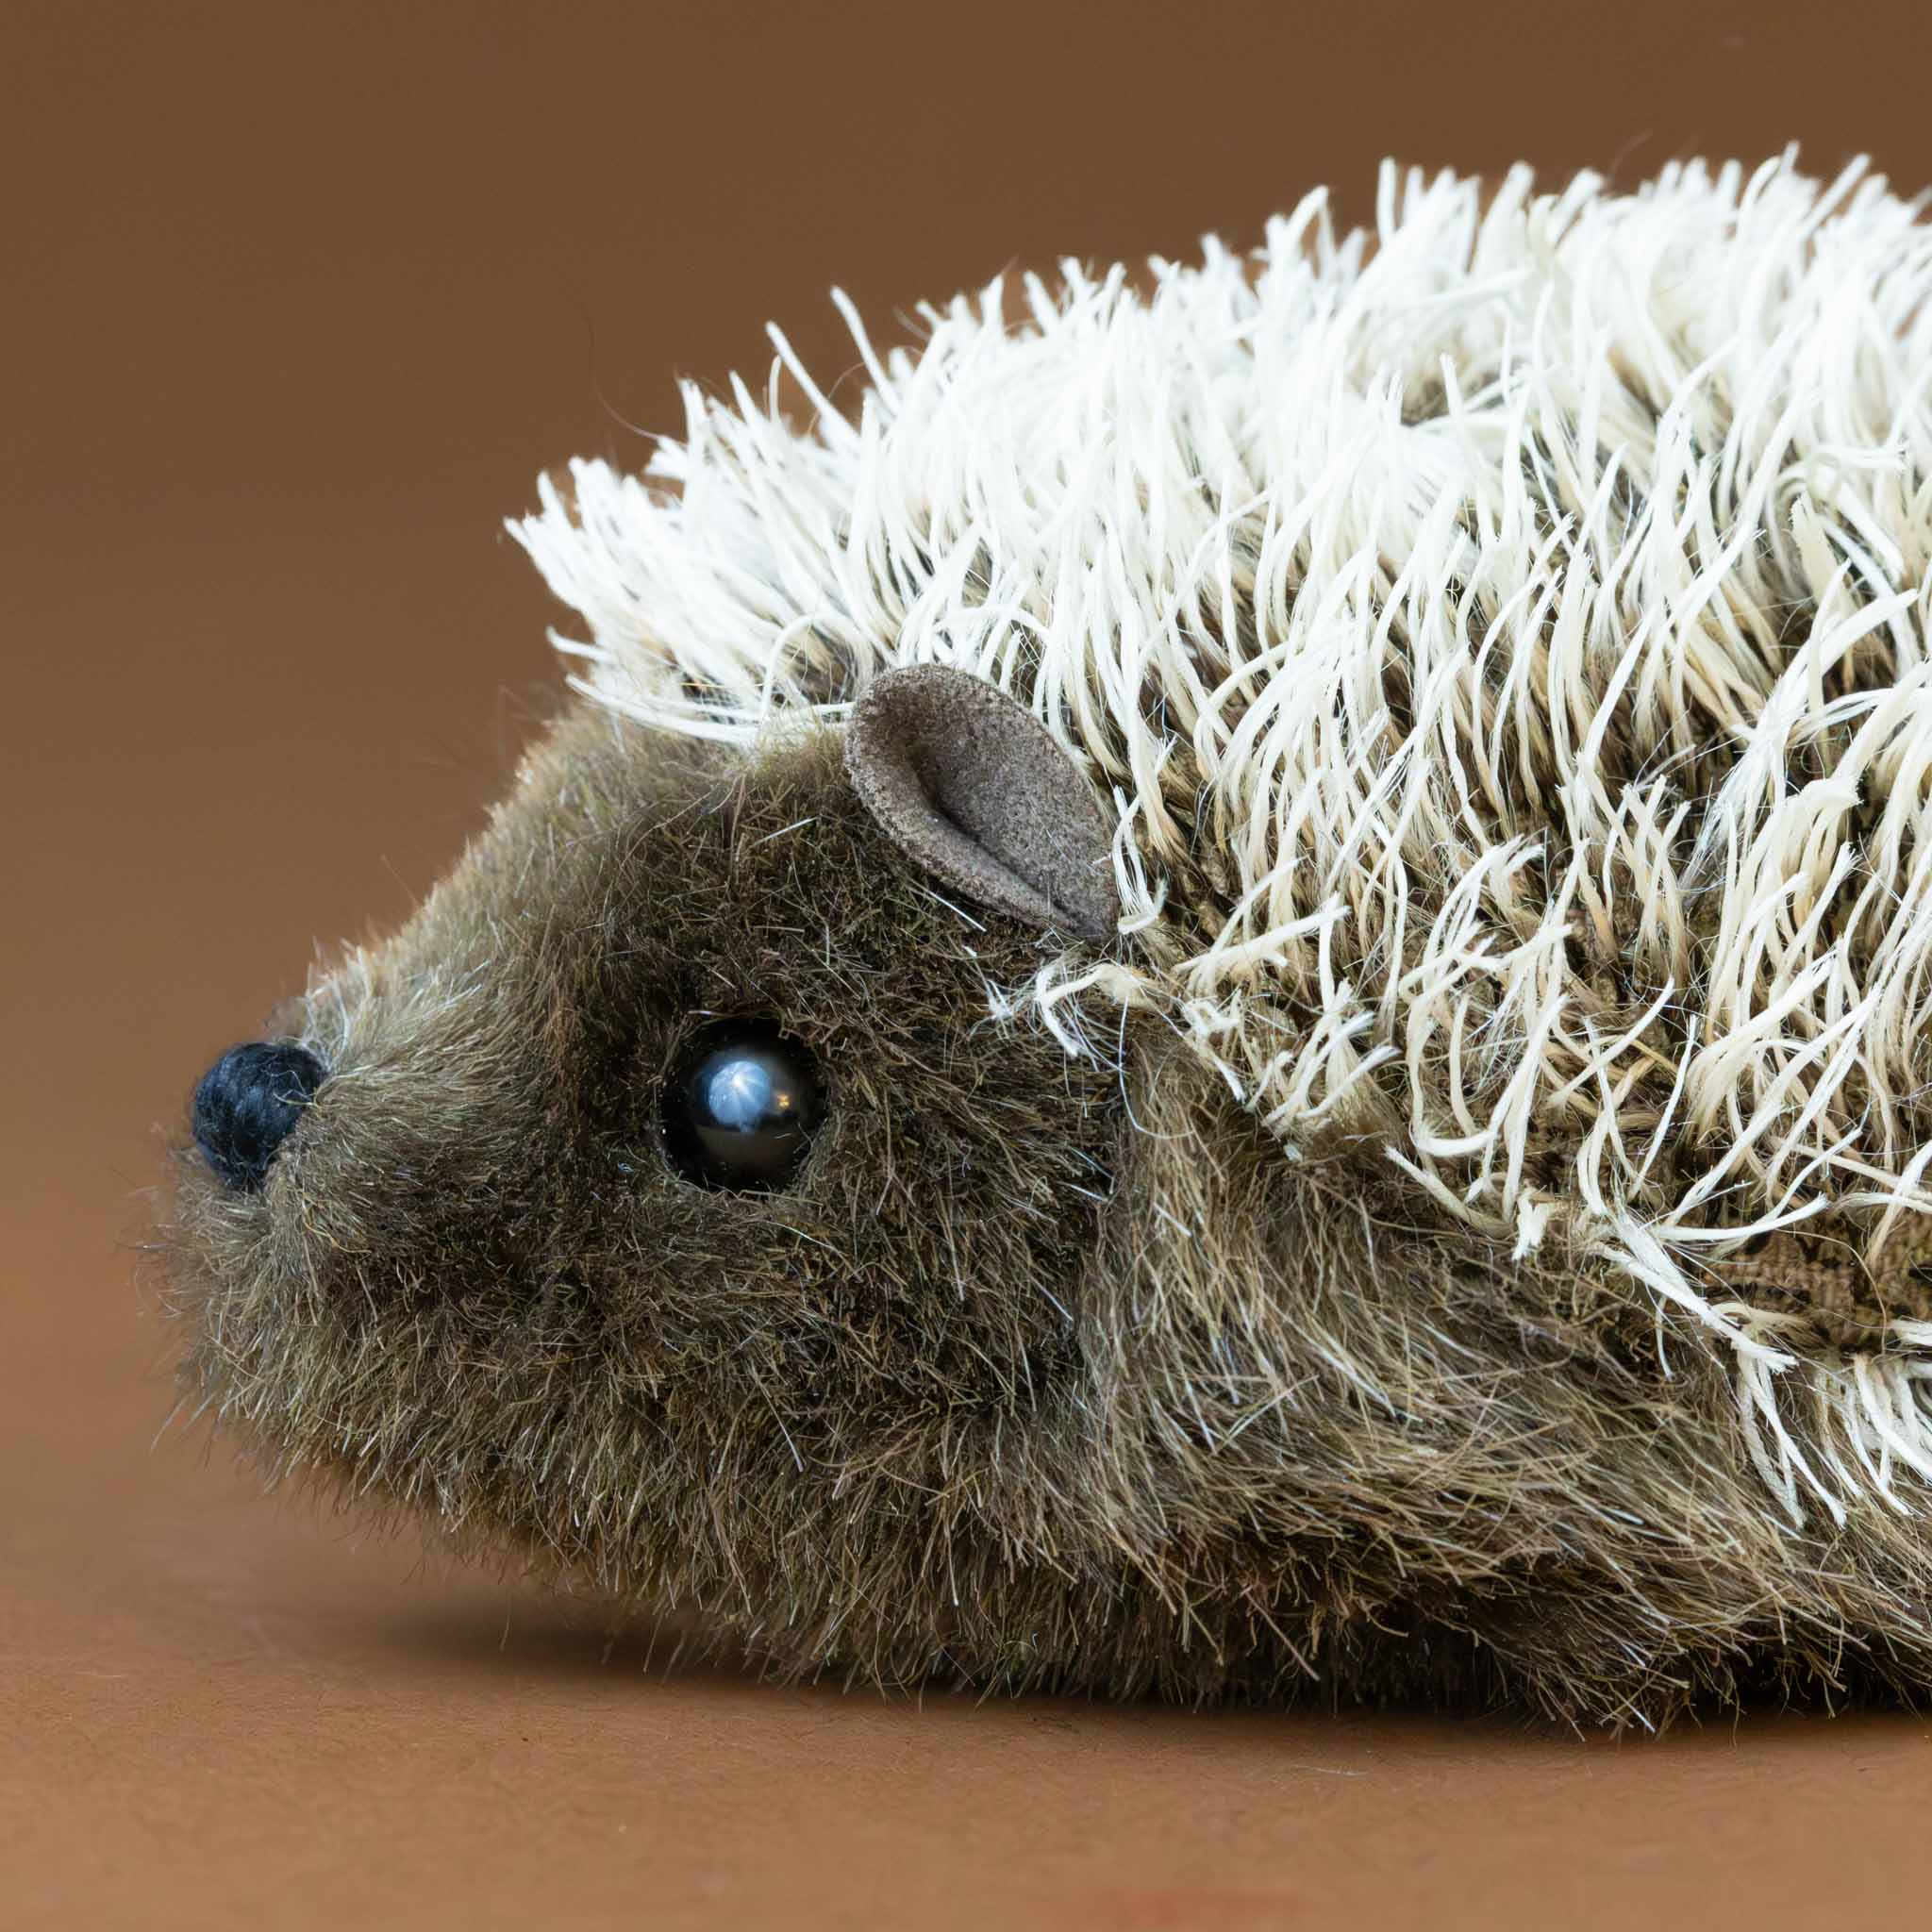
[[1044, 1372]]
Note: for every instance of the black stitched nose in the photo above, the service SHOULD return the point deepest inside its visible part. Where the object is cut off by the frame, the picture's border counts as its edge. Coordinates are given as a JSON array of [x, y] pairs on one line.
[[248, 1102]]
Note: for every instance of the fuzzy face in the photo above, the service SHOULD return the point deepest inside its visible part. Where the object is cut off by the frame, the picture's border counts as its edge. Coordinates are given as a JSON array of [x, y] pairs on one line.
[[473, 1282]]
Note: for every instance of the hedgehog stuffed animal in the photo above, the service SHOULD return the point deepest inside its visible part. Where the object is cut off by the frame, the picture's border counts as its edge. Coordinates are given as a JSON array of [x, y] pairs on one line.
[[1229, 992]]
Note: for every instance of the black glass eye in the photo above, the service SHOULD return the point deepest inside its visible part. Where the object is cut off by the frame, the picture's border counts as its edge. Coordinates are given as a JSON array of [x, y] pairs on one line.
[[742, 1106]]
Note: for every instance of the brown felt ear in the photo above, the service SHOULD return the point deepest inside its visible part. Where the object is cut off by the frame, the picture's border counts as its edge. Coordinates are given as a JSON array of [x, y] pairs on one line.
[[966, 781]]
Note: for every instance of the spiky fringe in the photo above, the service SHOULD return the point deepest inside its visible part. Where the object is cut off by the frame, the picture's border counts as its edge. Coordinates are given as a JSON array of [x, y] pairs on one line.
[[1504, 639]]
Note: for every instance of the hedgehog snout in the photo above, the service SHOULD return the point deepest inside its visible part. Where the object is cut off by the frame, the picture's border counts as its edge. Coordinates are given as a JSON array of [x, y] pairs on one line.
[[248, 1103]]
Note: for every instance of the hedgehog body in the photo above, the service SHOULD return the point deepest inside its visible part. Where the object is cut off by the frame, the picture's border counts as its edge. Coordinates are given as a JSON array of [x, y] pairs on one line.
[[1374, 1080]]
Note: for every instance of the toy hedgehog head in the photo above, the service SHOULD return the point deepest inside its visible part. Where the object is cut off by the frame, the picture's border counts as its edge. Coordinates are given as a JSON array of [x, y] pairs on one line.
[[1229, 996]]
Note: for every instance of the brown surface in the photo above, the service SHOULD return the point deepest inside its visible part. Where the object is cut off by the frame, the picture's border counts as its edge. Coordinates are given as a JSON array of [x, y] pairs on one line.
[[295, 306]]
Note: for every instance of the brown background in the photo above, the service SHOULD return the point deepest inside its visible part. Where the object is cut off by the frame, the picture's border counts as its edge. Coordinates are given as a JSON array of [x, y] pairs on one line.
[[295, 303]]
